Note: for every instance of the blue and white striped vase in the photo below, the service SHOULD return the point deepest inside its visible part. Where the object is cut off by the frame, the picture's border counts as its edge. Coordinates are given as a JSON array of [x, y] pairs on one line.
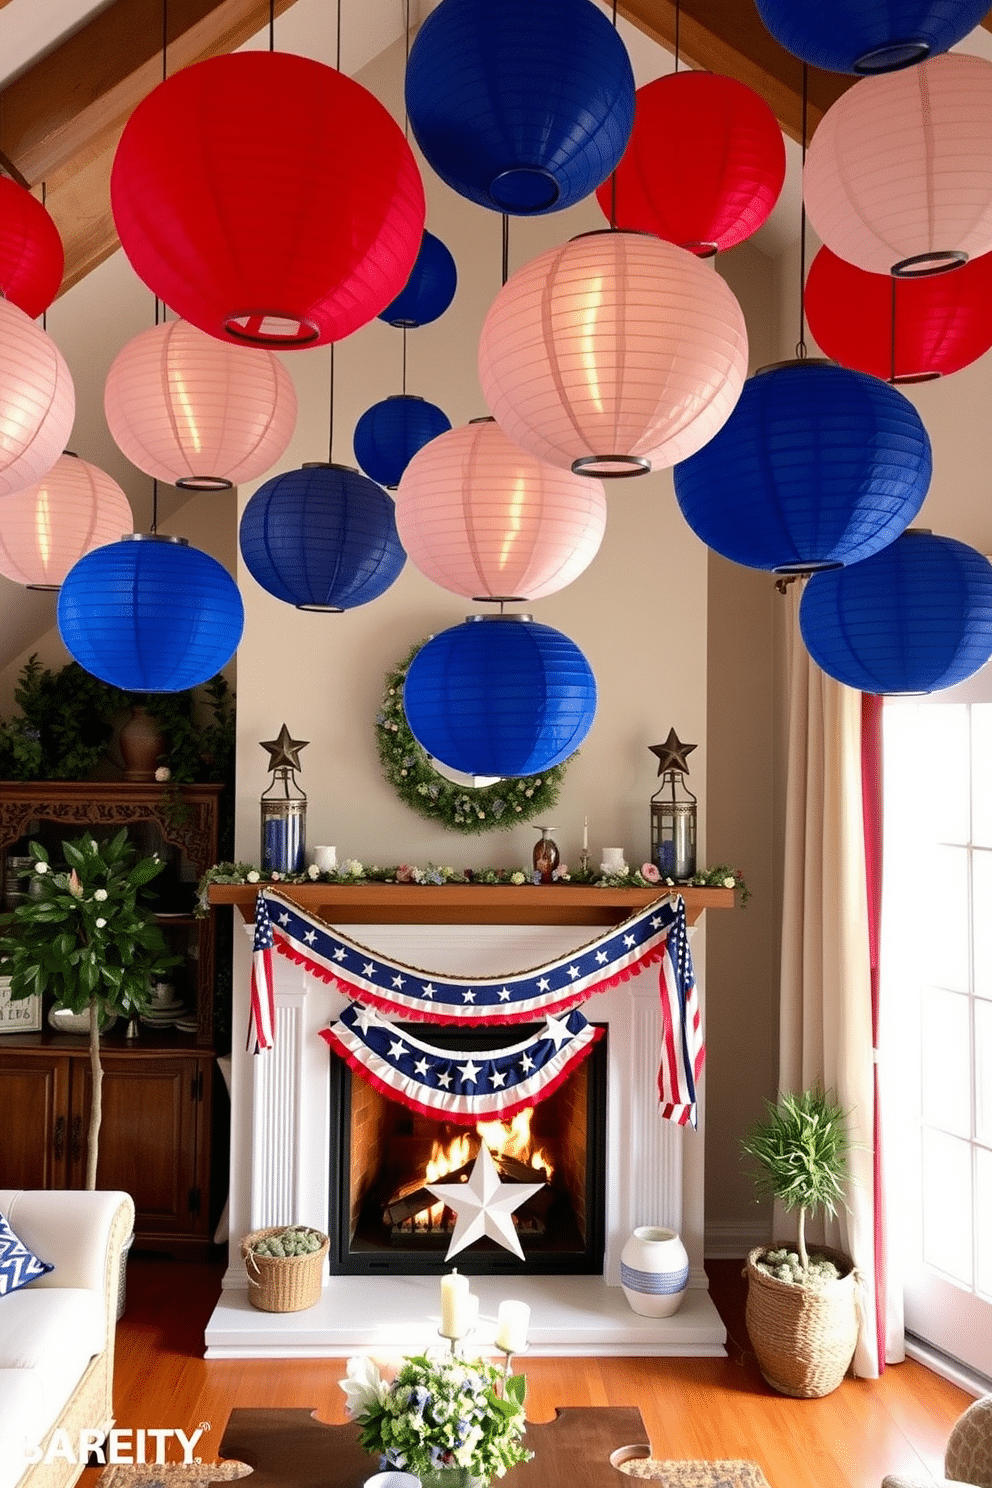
[[654, 1271]]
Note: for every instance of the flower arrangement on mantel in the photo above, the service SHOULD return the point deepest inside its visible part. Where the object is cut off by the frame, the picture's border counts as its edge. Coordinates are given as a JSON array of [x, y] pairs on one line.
[[351, 871]]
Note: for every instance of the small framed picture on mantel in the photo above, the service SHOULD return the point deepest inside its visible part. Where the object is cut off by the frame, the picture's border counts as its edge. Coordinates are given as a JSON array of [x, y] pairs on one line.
[[23, 1016]]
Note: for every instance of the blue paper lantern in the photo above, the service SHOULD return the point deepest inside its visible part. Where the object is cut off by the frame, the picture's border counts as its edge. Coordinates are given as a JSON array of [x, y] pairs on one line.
[[429, 290], [817, 466], [522, 107], [916, 617], [869, 36], [389, 434], [500, 695], [150, 614], [321, 538]]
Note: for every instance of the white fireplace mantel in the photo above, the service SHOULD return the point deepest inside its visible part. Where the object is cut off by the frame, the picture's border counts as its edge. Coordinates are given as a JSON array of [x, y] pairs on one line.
[[281, 1164]]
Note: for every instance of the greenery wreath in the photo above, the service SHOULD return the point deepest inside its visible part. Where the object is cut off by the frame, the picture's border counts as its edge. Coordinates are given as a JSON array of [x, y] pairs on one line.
[[410, 771]]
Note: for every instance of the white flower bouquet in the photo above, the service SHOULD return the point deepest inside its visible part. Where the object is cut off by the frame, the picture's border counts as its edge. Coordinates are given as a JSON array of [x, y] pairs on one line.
[[439, 1414]]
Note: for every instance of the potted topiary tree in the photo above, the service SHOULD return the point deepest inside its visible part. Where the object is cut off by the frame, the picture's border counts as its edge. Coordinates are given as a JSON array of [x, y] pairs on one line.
[[801, 1312], [85, 937]]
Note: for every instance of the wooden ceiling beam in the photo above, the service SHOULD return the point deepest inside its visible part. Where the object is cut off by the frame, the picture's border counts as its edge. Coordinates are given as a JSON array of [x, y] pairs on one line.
[[60, 121], [727, 36]]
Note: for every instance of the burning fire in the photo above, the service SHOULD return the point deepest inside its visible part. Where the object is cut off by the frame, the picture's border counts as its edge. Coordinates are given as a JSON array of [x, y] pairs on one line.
[[507, 1139]]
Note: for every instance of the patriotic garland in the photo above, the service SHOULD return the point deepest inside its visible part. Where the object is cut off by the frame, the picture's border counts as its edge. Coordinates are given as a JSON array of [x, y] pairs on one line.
[[454, 1086], [497, 1083], [406, 991]]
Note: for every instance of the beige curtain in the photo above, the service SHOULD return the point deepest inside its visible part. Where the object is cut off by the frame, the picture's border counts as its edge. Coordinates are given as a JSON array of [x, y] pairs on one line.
[[825, 1030]]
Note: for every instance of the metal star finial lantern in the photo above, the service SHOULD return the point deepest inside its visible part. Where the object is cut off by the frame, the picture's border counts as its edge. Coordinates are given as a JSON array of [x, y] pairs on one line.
[[671, 754], [673, 812], [283, 806]]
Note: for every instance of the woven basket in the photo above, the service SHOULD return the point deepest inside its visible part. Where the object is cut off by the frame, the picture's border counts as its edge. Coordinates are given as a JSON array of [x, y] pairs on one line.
[[803, 1337], [282, 1283]]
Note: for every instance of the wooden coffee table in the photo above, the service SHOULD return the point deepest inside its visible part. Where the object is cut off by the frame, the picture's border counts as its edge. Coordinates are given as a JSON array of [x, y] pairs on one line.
[[289, 1449]]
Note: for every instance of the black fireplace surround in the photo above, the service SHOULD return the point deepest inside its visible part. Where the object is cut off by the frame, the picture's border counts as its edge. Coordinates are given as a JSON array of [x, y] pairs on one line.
[[378, 1147]]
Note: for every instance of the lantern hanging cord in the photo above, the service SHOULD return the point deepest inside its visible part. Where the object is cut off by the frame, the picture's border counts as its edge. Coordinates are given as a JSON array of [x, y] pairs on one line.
[[330, 418], [44, 313], [165, 39], [892, 336], [506, 247], [406, 111], [404, 361], [678, 25], [337, 44], [154, 526], [801, 343], [272, 25]]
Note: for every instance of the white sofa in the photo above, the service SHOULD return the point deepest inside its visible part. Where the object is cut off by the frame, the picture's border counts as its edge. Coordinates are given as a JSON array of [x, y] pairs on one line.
[[57, 1333]]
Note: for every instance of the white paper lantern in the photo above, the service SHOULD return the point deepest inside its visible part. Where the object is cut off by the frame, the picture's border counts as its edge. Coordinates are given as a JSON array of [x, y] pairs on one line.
[[485, 519], [898, 176], [613, 354], [47, 528], [197, 412], [37, 400]]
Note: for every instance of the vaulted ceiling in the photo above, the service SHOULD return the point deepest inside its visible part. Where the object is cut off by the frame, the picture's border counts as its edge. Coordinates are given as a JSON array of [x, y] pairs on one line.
[[61, 118]]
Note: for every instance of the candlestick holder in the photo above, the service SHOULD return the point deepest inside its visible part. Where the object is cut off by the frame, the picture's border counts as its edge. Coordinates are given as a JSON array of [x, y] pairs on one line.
[[584, 860], [508, 1357], [453, 1342]]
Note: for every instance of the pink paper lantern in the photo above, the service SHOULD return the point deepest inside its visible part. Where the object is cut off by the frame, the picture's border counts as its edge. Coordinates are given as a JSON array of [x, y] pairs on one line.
[[196, 412], [484, 519], [613, 354], [898, 176], [32, 258], [37, 400], [47, 528]]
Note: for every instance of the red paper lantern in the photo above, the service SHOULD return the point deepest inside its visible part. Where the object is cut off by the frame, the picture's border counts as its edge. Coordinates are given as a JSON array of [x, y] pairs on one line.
[[705, 163], [941, 322], [31, 254], [268, 199]]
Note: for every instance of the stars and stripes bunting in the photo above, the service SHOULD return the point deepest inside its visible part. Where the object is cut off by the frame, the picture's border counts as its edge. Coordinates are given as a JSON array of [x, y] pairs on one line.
[[262, 1012], [454, 1085], [682, 1049], [400, 990]]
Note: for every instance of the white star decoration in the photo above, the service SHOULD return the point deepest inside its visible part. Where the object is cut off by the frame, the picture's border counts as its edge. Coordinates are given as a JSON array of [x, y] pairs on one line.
[[396, 1048], [398, 981], [544, 985], [340, 953], [483, 1206], [310, 937], [365, 1018], [429, 990], [628, 941], [368, 969], [602, 957], [469, 1071], [555, 1029], [504, 994], [284, 919]]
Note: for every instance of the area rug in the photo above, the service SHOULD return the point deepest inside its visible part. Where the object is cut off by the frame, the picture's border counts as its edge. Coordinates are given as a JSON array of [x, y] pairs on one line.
[[674, 1474], [731, 1473]]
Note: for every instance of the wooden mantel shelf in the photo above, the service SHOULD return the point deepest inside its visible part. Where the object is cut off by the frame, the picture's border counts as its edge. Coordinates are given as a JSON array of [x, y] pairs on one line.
[[468, 904]]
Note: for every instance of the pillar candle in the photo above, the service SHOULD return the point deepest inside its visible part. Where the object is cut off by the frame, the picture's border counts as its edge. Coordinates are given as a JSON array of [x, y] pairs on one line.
[[511, 1327], [454, 1305], [585, 834]]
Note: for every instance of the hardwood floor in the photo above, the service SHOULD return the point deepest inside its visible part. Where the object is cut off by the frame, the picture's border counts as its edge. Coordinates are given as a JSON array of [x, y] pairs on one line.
[[692, 1407]]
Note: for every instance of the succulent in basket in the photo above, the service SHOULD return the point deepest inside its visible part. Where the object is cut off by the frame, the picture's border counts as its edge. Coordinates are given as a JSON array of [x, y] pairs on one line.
[[441, 1417], [294, 1240]]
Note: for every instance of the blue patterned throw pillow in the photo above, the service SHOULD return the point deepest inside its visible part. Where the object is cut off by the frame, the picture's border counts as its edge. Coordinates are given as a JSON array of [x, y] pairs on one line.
[[17, 1265]]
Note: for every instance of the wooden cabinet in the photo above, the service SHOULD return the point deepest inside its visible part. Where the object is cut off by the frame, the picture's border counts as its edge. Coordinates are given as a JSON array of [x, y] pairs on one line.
[[156, 1136]]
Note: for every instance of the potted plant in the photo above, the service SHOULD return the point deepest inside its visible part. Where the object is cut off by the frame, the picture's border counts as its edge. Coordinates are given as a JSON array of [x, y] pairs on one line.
[[85, 937], [801, 1310]]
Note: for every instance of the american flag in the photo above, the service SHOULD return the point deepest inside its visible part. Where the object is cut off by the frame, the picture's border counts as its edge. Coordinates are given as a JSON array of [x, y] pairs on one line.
[[262, 1015], [682, 1048]]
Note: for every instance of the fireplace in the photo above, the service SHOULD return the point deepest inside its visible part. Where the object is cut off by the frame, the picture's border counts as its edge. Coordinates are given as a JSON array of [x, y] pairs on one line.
[[284, 1165], [383, 1219]]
